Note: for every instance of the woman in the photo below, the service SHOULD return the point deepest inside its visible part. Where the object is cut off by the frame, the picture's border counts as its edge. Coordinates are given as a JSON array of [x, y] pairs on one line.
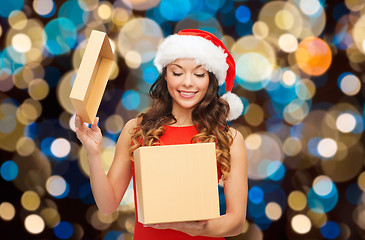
[[186, 109]]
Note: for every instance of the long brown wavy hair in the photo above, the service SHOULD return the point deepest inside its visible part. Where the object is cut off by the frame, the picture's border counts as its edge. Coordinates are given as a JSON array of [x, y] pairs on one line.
[[209, 117]]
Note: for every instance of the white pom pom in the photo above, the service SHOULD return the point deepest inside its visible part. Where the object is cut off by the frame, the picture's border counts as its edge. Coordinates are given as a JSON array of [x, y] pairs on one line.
[[235, 105]]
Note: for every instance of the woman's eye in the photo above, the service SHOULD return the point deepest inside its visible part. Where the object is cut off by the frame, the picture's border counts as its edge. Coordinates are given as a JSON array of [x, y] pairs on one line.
[[176, 74], [200, 75]]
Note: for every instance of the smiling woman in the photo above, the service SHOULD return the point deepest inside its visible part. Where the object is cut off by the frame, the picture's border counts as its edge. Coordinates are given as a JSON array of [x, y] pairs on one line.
[[186, 109]]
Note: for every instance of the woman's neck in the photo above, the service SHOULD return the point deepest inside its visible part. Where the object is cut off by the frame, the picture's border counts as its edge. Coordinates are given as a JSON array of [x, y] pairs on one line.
[[183, 118]]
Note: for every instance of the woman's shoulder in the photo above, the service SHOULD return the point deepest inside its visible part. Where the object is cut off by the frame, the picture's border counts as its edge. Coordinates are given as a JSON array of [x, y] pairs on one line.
[[131, 124], [236, 135]]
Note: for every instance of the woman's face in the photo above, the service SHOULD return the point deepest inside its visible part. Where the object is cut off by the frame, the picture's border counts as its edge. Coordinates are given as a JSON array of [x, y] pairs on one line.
[[187, 83]]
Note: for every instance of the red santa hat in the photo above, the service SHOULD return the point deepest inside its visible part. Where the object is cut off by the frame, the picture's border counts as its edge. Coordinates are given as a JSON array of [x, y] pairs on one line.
[[208, 51]]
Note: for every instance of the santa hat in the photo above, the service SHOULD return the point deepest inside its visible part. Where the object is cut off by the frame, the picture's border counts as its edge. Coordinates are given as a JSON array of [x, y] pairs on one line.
[[208, 51]]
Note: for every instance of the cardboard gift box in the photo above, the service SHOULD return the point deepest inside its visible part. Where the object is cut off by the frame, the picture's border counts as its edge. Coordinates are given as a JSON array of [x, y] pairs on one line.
[[92, 76], [176, 183]]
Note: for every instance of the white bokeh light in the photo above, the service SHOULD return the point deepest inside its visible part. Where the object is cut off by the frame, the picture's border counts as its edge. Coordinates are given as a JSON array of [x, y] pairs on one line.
[[60, 147], [346, 122], [327, 147], [34, 224], [56, 185], [301, 224], [310, 7], [322, 185]]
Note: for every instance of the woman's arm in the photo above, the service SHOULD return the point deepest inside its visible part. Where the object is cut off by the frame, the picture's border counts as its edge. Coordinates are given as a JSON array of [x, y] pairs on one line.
[[108, 190], [235, 189]]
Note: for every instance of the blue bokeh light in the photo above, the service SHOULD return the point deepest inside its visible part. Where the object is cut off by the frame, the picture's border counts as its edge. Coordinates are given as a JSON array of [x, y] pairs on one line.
[[114, 235], [243, 14], [150, 74], [322, 204], [130, 100], [256, 195], [276, 170], [60, 36], [8, 6], [12, 61], [63, 230], [330, 230], [9, 170], [174, 10], [74, 11]]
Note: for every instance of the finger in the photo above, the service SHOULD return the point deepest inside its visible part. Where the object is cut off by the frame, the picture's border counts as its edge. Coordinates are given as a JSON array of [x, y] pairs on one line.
[[94, 126]]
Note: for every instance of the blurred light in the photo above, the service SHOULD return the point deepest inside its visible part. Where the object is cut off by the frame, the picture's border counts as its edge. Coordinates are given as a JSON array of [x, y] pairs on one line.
[[305, 89], [34, 224], [174, 11], [243, 14], [255, 71], [317, 219], [275, 170], [114, 123], [260, 30], [50, 216], [253, 141], [21, 42], [7, 8], [330, 230], [327, 147], [17, 20], [346, 122], [288, 42], [60, 147], [104, 11], [133, 59], [30, 200], [7, 211], [310, 7], [38, 89], [9, 170], [74, 11], [292, 146], [313, 56], [361, 181], [322, 185], [254, 115], [60, 36], [130, 100], [301, 224], [349, 84], [45, 8], [142, 4], [289, 78], [63, 230], [256, 195], [114, 235], [284, 19], [57, 186], [297, 200], [322, 203], [273, 211], [142, 36], [354, 5]]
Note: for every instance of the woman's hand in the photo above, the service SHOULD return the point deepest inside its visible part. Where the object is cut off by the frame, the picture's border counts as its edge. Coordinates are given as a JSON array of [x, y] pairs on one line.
[[91, 138], [193, 228]]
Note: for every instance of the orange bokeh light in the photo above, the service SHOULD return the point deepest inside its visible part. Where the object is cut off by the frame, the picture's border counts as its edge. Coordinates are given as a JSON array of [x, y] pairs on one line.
[[313, 56]]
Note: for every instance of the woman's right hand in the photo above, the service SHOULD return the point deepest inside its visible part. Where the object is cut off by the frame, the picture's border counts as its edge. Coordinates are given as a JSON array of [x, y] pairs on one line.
[[90, 138]]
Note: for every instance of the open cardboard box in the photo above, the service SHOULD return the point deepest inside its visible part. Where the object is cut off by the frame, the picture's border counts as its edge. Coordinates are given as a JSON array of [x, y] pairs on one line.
[[92, 76], [176, 183]]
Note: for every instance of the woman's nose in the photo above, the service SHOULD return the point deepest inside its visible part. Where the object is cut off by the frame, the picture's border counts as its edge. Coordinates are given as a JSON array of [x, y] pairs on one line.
[[188, 81]]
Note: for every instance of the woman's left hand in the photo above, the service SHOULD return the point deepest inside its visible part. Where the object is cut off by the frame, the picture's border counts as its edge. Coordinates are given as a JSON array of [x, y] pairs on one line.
[[193, 228]]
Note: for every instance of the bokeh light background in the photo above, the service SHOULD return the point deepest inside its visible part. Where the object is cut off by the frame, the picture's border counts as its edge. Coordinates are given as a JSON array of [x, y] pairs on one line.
[[300, 76]]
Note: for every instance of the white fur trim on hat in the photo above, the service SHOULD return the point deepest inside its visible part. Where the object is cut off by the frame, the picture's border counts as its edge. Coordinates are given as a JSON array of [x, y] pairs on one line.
[[212, 57], [235, 105]]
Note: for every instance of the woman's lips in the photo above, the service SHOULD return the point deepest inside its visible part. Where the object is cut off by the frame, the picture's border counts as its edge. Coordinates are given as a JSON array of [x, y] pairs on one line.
[[187, 94]]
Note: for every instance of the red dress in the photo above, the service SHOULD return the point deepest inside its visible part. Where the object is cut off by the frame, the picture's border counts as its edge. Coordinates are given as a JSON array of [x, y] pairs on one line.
[[172, 135]]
